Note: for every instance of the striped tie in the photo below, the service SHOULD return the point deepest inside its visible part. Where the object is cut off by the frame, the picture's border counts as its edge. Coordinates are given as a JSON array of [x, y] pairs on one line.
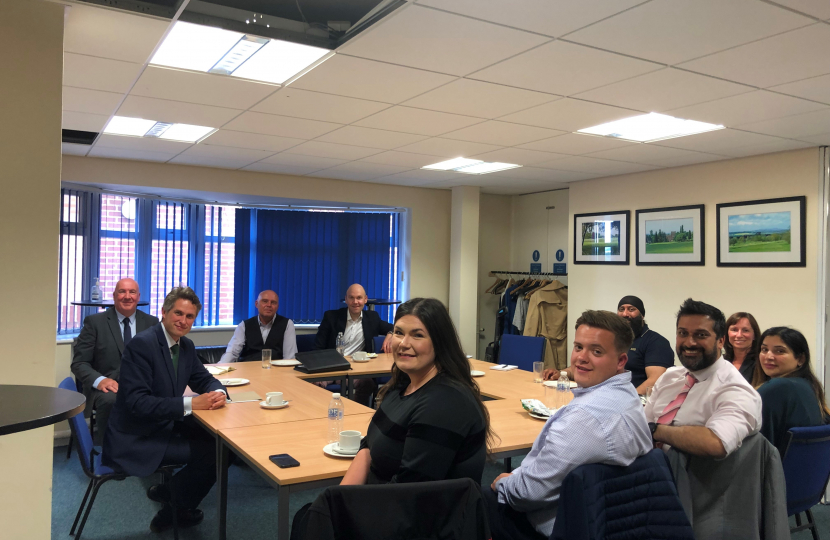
[[671, 409]]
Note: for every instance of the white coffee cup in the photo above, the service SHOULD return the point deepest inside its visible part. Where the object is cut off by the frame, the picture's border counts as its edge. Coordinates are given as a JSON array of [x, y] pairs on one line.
[[274, 398], [349, 441], [360, 355]]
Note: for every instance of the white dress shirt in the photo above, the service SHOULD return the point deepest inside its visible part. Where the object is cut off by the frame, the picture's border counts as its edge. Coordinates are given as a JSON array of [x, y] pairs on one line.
[[353, 335], [237, 343], [121, 326], [721, 400], [188, 401]]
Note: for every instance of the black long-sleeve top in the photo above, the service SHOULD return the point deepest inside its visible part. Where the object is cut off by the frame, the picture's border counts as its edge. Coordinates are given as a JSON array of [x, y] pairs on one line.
[[435, 433], [787, 402]]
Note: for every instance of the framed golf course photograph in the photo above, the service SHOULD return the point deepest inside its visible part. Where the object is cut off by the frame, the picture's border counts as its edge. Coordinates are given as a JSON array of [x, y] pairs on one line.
[[602, 237], [768, 232], [671, 236]]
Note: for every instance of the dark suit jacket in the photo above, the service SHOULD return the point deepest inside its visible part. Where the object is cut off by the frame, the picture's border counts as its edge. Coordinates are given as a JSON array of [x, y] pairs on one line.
[[334, 322], [149, 401], [98, 348]]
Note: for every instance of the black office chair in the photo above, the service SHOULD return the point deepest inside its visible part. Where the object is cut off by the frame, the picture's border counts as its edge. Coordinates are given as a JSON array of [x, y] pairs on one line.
[[99, 474]]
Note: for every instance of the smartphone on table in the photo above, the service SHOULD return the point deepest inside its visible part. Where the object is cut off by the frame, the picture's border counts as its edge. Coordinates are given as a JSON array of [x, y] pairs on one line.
[[284, 461]]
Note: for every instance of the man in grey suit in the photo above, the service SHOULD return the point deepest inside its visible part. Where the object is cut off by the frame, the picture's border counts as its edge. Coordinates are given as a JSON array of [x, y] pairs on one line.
[[96, 361]]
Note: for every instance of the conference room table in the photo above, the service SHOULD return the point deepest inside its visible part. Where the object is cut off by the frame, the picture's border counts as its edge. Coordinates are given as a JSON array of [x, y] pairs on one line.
[[301, 428]]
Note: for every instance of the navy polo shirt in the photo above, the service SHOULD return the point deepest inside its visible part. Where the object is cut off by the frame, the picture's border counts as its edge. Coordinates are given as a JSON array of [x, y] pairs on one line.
[[649, 349]]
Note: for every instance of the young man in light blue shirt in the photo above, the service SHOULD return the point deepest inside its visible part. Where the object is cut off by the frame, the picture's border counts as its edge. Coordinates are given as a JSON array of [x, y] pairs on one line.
[[603, 424]]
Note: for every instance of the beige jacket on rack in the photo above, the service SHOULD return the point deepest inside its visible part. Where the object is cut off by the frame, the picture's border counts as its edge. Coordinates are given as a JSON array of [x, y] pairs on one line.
[[547, 316]]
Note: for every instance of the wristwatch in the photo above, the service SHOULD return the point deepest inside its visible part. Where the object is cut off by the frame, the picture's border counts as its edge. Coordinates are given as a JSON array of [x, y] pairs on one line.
[[652, 426]]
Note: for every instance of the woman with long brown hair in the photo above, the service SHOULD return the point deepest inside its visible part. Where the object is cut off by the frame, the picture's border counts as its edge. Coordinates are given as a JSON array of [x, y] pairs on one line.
[[791, 394], [743, 338], [431, 423]]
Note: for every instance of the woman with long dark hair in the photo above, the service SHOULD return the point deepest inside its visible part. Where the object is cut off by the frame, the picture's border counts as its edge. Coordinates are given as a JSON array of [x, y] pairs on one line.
[[791, 394], [431, 423], [743, 339]]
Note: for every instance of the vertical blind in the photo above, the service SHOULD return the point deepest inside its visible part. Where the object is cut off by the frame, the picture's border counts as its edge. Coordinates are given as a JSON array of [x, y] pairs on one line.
[[310, 258]]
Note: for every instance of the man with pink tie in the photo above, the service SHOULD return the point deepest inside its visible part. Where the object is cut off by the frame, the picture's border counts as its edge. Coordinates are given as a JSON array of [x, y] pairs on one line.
[[702, 408]]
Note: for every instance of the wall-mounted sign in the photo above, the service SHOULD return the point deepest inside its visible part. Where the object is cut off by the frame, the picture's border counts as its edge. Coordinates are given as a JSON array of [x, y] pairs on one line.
[[536, 255], [536, 268], [560, 255], [560, 268]]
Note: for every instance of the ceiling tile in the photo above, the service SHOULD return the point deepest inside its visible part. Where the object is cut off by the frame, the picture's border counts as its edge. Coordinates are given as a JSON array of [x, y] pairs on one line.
[[74, 149], [331, 150], [148, 144], [83, 121], [435, 40], [781, 145], [254, 141], [477, 98], [219, 156], [163, 110], [344, 75], [692, 158], [448, 148], [569, 115], [673, 31], [822, 139], [517, 156], [276, 168], [98, 73], [664, 90], [201, 88], [564, 68], [403, 159], [744, 108], [502, 133], [645, 153], [815, 88], [815, 8], [542, 16], [282, 126], [543, 175], [793, 127], [318, 106], [718, 142], [576, 144], [419, 121], [788, 57], [125, 153], [418, 177], [373, 138], [111, 33], [360, 170], [521, 189], [587, 164], [90, 101], [314, 163]]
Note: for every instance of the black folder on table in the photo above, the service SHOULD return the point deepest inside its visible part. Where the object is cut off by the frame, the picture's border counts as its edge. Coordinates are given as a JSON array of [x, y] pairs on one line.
[[321, 361]]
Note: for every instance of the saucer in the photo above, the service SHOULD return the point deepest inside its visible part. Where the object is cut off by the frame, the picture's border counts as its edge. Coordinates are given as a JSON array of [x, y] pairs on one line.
[[476, 373], [336, 449], [285, 363], [553, 384], [372, 355], [265, 405], [234, 382], [329, 450], [538, 416], [359, 361]]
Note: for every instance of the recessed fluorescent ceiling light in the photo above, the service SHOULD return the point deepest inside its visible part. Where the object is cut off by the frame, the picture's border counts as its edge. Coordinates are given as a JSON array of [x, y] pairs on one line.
[[650, 127], [484, 168], [470, 166], [138, 127], [452, 164], [202, 48]]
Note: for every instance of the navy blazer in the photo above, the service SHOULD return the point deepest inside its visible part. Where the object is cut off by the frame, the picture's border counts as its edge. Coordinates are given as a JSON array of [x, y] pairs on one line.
[[334, 321], [149, 401]]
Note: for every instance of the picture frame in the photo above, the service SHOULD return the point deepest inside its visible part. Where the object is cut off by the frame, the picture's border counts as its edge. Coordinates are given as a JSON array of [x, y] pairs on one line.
[[671, 236], [763, 233], [602, 237]]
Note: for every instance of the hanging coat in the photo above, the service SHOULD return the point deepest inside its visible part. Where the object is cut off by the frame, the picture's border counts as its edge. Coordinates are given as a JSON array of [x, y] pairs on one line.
[[547, 316]]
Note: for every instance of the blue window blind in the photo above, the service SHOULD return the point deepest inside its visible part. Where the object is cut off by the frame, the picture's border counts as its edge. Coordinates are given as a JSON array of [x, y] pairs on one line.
[[311, 257]]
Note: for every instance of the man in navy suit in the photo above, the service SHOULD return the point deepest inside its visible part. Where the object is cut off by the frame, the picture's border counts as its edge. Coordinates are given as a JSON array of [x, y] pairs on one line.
[[151, 424]]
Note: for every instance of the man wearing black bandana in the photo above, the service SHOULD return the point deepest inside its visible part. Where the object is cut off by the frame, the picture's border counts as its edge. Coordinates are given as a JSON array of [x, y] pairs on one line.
[[650, 354]]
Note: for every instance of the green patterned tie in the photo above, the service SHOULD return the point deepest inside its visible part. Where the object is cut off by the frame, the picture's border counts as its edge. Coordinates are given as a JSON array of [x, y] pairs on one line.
[[174, 355]]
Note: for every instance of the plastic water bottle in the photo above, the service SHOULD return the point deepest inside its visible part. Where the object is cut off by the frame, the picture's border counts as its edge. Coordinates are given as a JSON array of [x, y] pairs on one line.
[[340, 344], [95, 292], [563, 386], [335, 417]]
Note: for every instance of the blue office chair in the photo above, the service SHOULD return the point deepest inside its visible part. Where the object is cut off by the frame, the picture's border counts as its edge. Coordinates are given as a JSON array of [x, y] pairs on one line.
[[80, 389], [98, 474], [305, 342], [521, 351], [378, 343], [806, 464]]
